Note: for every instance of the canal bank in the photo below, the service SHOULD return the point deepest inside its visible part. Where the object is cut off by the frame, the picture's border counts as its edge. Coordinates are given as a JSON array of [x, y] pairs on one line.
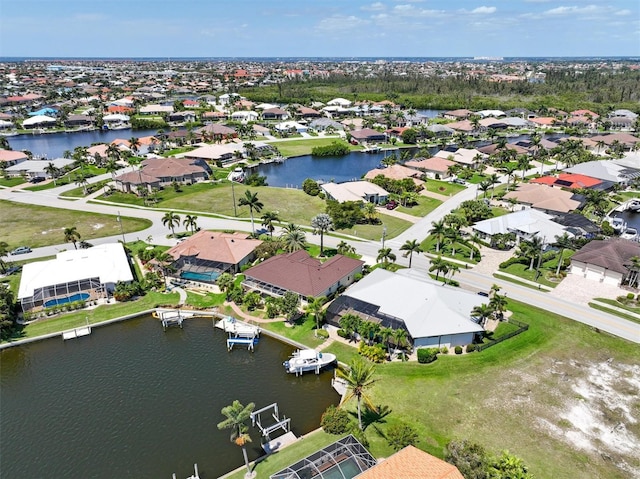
[[98, 406]]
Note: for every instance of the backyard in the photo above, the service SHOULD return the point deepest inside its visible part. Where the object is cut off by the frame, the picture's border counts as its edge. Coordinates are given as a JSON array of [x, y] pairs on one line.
[[304, 146]]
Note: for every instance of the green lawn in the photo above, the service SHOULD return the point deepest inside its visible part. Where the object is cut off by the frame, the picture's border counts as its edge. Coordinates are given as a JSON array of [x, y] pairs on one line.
[[79, 191], [101, 313], [523, 271], [22, 224], [462, 251], [343, 352], [394, 226], [302, 332], [304, 147], [89, 171], [424, 206], [203, 301], [443, 187], [9, 182]]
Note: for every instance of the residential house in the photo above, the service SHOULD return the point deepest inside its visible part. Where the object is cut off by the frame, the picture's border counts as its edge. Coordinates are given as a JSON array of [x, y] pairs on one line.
[[462, 156], [156, 110], [457, 114], [435, 167], [524, 224], [355, 191], [412, 463], [606, 170], [275, 114], [207, 254], [434, 315], [605, 261], [40, 121], [368, 135], [162, 172], [546, 198], [182, 117], [79, 120], [216, 132], [302, 274], [321, 124], [37, 168], [292, 126], [573, 181], [11, 157], [396, 172]]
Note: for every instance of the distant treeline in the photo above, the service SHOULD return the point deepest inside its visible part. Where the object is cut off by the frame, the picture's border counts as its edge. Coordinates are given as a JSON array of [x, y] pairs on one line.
[[597, 90]]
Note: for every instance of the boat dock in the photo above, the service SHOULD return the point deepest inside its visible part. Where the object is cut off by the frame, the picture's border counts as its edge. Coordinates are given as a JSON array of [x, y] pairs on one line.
[[195, 474], [285, 424], [340, 385], [240, 333], [76, 333]]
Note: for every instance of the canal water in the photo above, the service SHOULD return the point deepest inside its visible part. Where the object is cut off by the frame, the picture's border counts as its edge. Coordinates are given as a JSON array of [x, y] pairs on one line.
[[53, 145], [133, 401]]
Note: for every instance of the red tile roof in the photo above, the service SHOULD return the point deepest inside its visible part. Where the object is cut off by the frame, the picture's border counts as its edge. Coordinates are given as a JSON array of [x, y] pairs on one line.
[[568, 180], [230, 248], [412, 463], [302, 274]]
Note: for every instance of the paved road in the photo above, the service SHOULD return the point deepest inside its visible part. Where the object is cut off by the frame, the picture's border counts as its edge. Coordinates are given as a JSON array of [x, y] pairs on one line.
[[368, 249]]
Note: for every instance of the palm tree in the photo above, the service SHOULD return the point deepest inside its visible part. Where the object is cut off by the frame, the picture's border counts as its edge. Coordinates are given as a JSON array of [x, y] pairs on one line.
[[439, 266], [171, 220], [359, 378], [523, 164], [454, 236], [563, 242], [634, 269], [385, 255], [400, 337], [237, 415], [345, 248], [484, 186], [498, 304], [53, 171], [385, 335], [321, 223], [113, 152], [190, 221], [453, 269], [314, 306], [438, 229], [370, 213], [293, 238], [482, 312], [71, 235], [410, 247], [134, 143], [251, 200], [531, 249], [81, 180], [4, 251], [111, 167], [268, 220]]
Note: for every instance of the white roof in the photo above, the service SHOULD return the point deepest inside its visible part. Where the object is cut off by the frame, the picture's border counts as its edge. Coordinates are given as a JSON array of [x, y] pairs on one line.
[[486, 113], [116, 117], [427, 307], [214, 152], [601, 169], [36, 120], [287, 125], [156, 109], [529, 222], [462, 155], [339, 101], [38, 166], [5, 123], [107, 262], [353, 190]]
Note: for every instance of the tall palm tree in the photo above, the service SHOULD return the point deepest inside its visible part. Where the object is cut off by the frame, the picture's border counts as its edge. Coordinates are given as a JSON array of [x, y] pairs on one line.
[[359, 378], [191, 222], [111, 167], [113, 152], [81, 180], [484, 186], [268, 220], [237, 415], [71, 235], [293, 238], [523, 164], [454, 237], [482, 312], [634, 269], [134, 144], [563, 242], [438, 229], [410, 247], [370, 213], [385, 255], [321, 223], [53, 171], [498, 304], [251, 200], [439, 266], [385, 335], [345, 248], [315, 307], [531, 249], [171, 220], [400, 337]]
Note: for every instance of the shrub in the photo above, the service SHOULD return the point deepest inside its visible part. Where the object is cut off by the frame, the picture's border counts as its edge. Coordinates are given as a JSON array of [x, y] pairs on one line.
[[322, 333], [630, 296], [427, 355], [343, 334], [471, 348], [311, 187], [444, 350], [458, 349], [335, 421], [334, 149], [401, 435], [375, 353]]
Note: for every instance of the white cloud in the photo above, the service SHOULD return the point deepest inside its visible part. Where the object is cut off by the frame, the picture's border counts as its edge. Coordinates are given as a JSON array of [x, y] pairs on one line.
[[623, 12], [377, 6], [411, 11], [341, 22], [484, 10], [573, 10]]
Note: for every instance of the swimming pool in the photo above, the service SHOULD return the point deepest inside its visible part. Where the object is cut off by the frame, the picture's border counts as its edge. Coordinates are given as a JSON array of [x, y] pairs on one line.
[[67, 299], [209, 277]]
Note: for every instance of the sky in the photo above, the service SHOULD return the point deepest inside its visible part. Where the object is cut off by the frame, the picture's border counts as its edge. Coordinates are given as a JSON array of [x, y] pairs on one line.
[[318, 28]]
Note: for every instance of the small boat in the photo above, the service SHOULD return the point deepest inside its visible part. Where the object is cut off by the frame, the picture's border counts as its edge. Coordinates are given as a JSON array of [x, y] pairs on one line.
[[308, 360], [237, 175], [634, 205], [618, 224], [630, 234]]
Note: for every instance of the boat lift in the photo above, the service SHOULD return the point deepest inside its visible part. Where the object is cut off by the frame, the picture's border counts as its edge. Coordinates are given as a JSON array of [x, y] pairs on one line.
[[284, 423]]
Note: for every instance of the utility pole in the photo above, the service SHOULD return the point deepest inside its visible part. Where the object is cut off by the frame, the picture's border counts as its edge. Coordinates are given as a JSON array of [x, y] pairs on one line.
[[119, 220], [233, 195], [384, 235]]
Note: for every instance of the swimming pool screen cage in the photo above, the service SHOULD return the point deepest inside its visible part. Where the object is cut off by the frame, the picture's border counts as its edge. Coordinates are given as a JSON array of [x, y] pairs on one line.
[[344, 459], [195, 265], [63, 290]]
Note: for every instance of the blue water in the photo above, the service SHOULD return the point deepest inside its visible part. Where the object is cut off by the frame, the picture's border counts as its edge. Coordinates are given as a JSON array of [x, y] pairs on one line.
[[53, 145], [68, 299], [208, 277]]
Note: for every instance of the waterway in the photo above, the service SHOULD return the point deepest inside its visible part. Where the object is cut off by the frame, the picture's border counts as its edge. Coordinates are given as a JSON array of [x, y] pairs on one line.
[[53, 145], [134, 401]]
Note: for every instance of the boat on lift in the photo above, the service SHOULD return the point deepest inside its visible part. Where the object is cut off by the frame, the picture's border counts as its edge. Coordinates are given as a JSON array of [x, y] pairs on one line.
[[304, 360]]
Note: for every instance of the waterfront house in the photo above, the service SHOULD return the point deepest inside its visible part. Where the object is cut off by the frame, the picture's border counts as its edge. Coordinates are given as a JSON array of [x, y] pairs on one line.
[[368, 135], [40, 121], [224, 152], [11, 157], [74, 275], [355, 191], [463, 156], [207, 254], [293, 126], [162, 172], [396, 172], [606, 170], [457, 114], [434, 167], [525, 224], [216, 132], [412, 463], [605, 261], [573, 181], [302, 274], [37, 168], [433, 314], [546, 198]]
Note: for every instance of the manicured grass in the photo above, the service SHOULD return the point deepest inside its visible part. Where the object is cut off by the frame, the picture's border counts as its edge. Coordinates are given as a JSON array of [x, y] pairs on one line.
[[79, 192], [22, 224], [70, 177], [302, 332], [9, 182], [289, 455], [617, 304], [203, 301], [497, 211], [462, 251], [304, 147], [443, 187], [101, 313], [166, 194], [394, 225], [424, 206], [343, 352], [523, 271]]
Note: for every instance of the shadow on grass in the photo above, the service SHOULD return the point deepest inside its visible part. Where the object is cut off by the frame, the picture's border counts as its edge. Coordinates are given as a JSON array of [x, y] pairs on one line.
[[370, 417]]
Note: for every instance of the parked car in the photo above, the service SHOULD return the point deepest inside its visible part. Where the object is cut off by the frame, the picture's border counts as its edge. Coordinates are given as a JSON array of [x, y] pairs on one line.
[[459, 181], [21, 250], [37, 179], [392, 205]]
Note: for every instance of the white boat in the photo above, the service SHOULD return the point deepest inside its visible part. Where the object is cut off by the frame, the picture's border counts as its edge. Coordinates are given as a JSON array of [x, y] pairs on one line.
[[634, 205], [618, 224], [308, 360], [630, 234], [237, 175]]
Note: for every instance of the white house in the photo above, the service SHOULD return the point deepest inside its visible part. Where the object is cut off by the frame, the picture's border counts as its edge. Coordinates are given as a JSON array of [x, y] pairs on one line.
[[525, 224], [291, 125], [37, 168], [434, 315], [339, 102], [74, 275], [355, 191]]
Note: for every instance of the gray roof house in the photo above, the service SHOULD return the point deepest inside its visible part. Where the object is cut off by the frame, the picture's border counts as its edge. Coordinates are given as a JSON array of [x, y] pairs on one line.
[[605, 170], [434, 315], [604, 261]]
